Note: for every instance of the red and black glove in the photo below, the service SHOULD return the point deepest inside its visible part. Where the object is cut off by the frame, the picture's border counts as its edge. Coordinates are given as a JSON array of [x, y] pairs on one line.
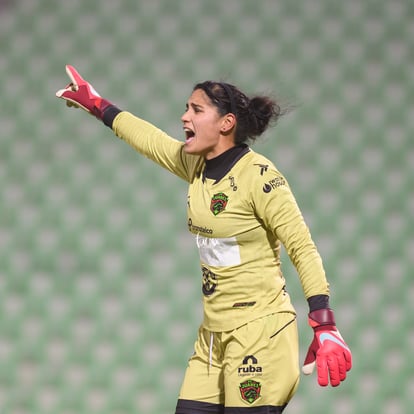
[[82, 94], [328, 350]]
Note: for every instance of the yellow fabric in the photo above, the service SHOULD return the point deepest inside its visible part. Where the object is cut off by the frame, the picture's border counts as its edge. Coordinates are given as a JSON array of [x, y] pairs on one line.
[[261, 355], [238, 224]]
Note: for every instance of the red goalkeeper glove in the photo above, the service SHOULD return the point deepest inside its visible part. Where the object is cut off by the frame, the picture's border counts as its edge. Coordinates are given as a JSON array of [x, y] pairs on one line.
[[82, 94], [328, 350]]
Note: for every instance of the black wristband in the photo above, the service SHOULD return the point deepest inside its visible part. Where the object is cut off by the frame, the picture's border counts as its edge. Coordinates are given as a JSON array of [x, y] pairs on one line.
[[109, 115], [318, 302]]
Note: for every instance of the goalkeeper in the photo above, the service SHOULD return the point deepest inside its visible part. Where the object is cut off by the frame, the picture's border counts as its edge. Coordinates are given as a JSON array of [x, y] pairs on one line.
[[240, 210]]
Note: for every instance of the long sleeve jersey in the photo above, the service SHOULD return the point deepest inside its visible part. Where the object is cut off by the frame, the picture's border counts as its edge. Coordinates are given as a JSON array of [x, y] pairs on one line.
[[239, 219]]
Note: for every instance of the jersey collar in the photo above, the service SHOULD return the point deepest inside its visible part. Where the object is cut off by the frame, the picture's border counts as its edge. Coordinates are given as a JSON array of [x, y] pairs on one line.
[[218, 167]]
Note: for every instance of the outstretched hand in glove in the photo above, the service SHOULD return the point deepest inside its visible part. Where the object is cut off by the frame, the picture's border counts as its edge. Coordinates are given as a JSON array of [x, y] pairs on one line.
[[82, 94]]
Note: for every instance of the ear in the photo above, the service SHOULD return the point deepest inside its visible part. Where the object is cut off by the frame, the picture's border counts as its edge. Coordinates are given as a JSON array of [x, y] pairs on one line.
[[228, 123]]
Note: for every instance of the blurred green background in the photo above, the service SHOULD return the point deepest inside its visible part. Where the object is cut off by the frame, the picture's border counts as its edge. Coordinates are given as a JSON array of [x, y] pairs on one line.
[[99, 280]]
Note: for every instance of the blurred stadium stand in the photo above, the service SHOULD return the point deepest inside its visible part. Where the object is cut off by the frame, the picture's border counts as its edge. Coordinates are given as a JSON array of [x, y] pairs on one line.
[[99, 280]]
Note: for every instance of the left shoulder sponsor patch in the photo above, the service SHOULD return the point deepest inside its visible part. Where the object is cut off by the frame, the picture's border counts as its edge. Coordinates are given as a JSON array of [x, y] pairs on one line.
[[273, 184]]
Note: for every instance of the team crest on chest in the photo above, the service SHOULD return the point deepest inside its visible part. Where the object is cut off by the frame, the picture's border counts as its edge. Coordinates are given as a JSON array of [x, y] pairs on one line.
[[218, 203]]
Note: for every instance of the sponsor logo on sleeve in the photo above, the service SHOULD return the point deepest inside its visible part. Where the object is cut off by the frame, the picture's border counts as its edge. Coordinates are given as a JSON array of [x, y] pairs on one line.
[[273, 184]]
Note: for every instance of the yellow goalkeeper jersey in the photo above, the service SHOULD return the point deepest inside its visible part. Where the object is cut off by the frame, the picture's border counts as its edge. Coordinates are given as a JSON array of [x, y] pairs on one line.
[[239, 219]]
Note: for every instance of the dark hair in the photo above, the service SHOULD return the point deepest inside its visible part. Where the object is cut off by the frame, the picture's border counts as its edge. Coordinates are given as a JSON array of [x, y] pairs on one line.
[[253, 115]]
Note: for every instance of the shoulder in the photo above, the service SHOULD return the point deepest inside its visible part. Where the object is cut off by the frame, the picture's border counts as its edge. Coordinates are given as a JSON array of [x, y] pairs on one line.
[[261, 171], [264, 184]]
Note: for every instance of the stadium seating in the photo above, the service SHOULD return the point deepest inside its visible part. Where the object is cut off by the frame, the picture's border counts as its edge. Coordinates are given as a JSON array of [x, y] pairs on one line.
[[99, 279]]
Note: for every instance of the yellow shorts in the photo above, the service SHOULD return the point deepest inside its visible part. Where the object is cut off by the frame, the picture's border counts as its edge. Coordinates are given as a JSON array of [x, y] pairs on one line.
[[254, 368]]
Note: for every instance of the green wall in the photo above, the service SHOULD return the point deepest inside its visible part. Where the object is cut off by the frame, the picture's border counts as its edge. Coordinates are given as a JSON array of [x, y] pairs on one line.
[[99, 279]]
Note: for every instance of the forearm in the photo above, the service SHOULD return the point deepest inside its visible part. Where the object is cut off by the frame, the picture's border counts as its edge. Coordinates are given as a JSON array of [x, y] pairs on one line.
[[148, 140]]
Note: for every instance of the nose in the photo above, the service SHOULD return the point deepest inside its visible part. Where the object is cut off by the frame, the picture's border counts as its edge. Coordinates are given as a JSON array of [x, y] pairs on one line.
[[185, 117]]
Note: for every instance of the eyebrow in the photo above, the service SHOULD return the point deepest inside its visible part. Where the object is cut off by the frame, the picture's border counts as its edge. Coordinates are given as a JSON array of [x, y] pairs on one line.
[[194, 105]]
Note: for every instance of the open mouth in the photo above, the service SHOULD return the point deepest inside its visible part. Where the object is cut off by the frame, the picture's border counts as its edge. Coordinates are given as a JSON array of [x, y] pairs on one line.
[[189, 135]]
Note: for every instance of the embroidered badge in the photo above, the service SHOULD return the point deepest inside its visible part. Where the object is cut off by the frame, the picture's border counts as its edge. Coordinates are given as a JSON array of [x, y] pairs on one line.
[[218, 203], [250, 390]]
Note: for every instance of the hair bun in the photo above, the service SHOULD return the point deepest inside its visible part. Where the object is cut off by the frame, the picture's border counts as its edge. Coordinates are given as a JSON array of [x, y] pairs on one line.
[[263, 108]]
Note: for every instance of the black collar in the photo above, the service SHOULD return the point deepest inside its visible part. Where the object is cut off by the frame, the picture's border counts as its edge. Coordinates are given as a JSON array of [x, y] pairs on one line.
[[218, 167]]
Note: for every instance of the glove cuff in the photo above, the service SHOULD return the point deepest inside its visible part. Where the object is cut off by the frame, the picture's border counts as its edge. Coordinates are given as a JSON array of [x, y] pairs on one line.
[[321, 317], [100, 105]]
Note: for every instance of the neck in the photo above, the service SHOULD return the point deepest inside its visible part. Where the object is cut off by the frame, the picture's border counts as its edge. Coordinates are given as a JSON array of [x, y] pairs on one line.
[[217, 167], [218, 151]]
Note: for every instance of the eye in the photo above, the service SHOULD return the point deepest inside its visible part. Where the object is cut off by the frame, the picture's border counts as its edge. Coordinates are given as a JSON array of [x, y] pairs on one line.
[[197, 108]]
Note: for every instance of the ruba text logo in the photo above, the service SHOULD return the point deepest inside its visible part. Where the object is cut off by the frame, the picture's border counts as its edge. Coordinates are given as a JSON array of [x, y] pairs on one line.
[[250, 367]]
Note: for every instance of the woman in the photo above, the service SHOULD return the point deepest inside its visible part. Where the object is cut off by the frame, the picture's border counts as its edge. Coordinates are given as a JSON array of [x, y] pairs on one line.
[[240, 209]]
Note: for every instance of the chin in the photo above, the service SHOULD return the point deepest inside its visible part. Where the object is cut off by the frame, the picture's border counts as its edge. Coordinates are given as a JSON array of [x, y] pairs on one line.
[[189, 150]]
